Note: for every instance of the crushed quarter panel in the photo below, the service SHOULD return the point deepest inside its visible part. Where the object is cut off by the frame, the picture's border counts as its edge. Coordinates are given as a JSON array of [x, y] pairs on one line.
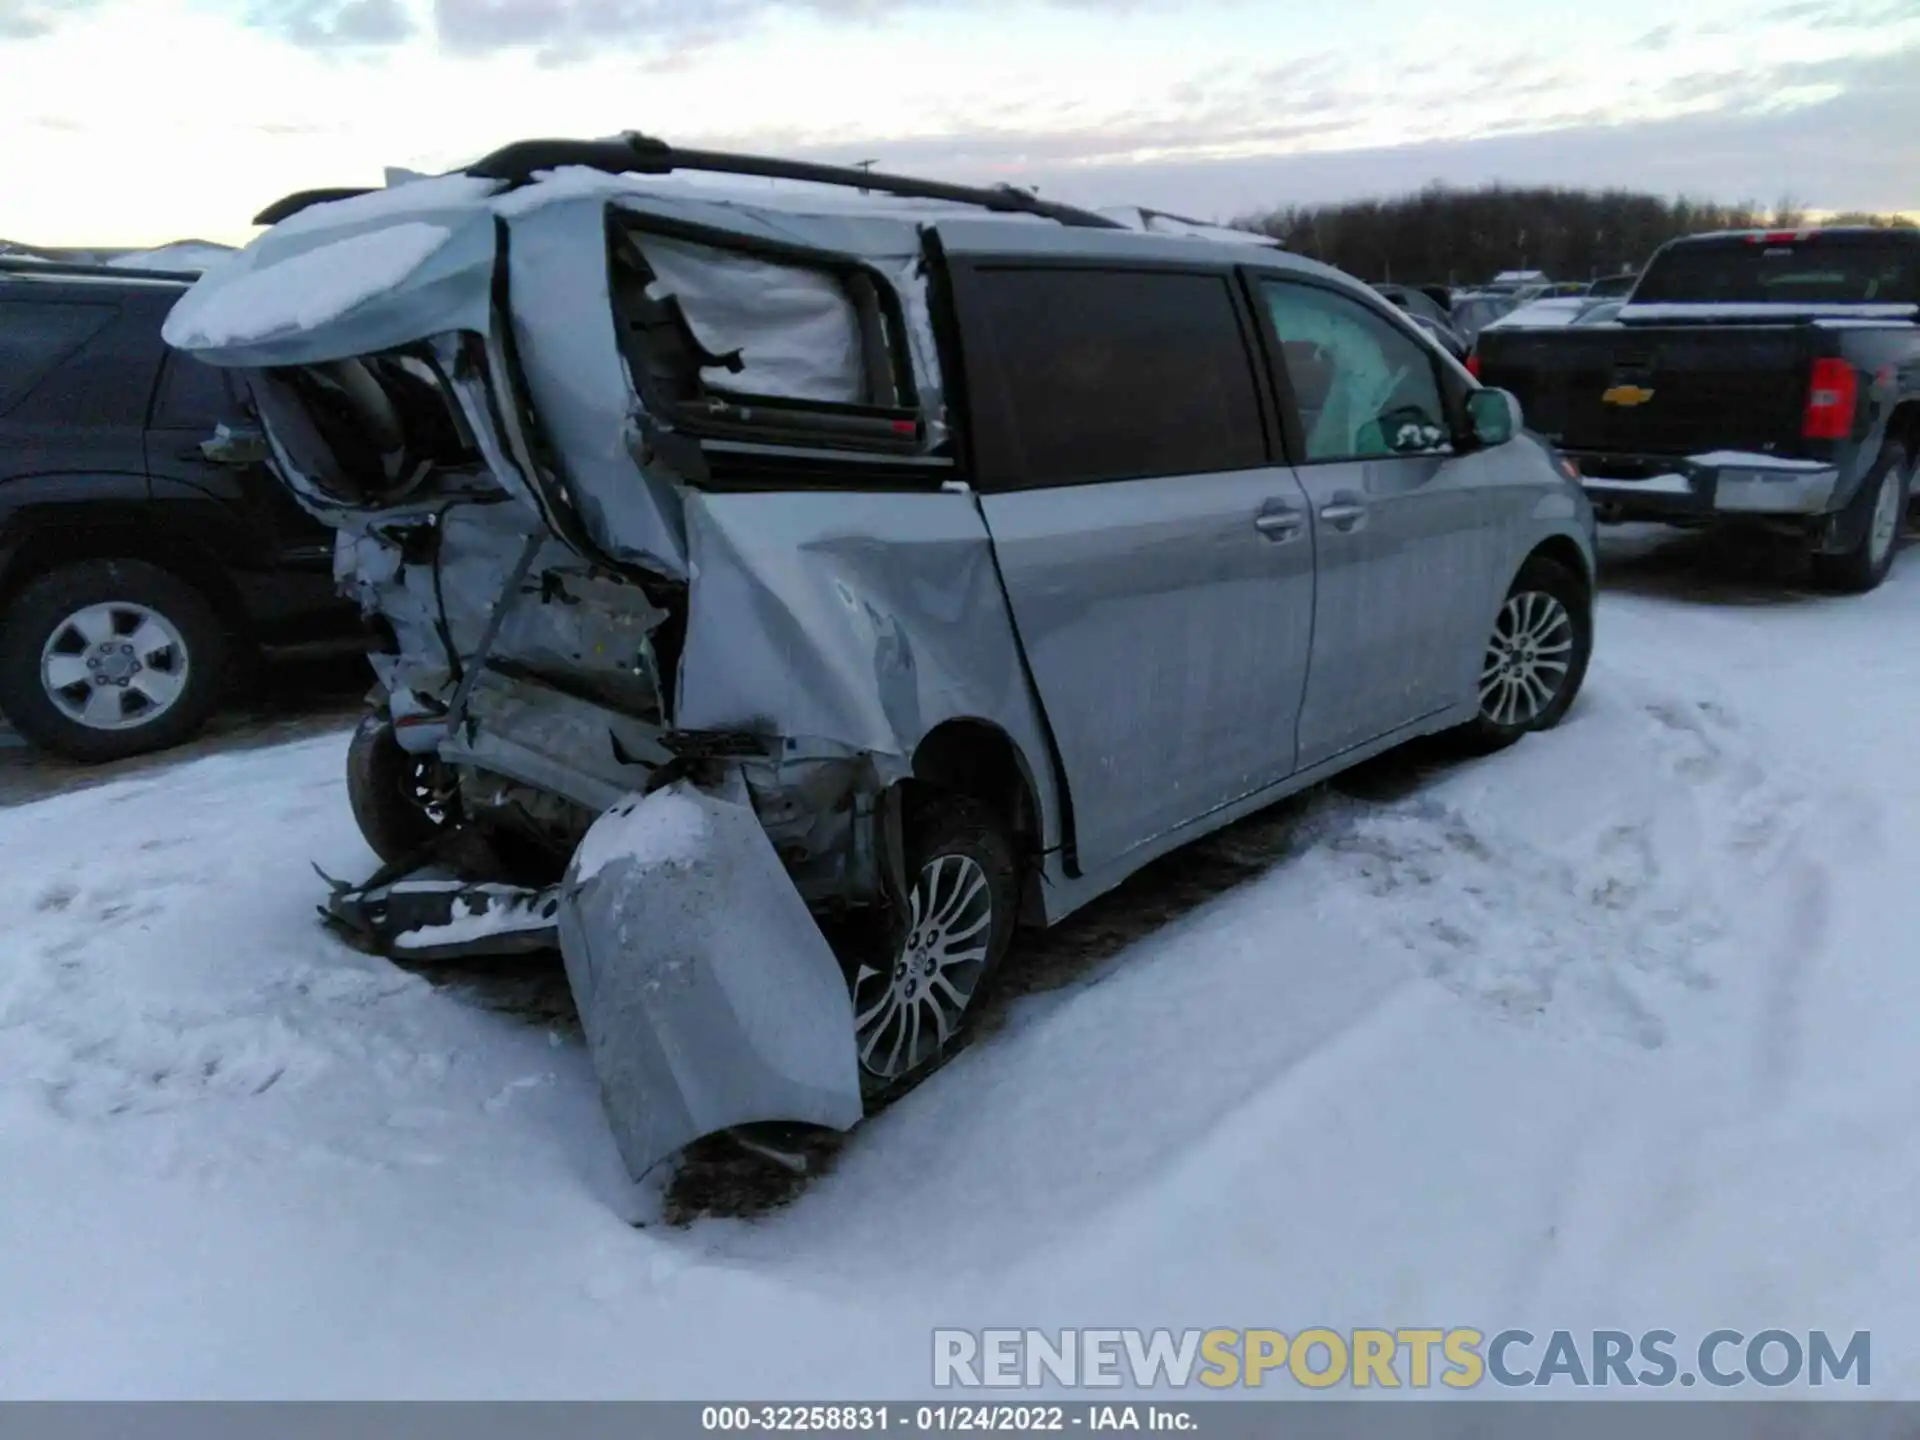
[[863, 620]]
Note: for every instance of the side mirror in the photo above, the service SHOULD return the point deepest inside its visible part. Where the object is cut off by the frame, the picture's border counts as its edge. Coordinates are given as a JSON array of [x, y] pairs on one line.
[[1494, 417], [228, 446]]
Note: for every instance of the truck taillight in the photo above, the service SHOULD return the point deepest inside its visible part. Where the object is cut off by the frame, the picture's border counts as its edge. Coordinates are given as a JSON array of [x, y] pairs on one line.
[[1473, 366], [1832, 396]]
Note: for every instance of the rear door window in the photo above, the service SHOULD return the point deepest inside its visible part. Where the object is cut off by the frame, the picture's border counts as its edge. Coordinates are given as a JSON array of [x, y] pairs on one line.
[[37, 337], [1096, 375]]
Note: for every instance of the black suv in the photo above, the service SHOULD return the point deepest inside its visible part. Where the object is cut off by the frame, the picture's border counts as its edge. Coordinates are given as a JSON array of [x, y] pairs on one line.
[[145, 547]]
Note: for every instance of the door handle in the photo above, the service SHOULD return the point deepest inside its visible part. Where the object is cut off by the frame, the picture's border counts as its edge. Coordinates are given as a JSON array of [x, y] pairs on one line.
[[1344, 514], [1280, 524]]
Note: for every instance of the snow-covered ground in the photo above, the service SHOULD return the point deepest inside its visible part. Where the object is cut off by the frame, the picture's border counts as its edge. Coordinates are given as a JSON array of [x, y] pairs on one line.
[[1612, 1030]]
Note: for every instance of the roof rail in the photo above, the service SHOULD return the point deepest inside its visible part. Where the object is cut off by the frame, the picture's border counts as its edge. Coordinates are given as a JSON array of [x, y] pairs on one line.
[[637, 154], [290, 205], [26, 265]]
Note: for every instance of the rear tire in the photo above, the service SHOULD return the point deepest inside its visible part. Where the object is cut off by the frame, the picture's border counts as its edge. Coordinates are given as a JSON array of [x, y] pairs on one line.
[[107, 659], [1879, 519], [392, 792], [918, 984], [1535, 659]]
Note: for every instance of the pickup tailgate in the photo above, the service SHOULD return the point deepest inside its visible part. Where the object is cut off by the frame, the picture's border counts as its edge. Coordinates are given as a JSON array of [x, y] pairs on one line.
[[1658, 390]]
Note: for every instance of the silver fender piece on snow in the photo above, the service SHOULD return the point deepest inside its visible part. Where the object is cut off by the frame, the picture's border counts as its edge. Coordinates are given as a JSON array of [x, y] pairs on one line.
[[708, 995]]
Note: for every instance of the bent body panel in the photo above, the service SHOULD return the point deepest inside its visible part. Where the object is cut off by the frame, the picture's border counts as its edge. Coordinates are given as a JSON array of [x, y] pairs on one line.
[[864, 620]]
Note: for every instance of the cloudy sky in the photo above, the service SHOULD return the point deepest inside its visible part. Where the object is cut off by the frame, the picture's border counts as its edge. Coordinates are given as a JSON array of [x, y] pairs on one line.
[[138, 121]]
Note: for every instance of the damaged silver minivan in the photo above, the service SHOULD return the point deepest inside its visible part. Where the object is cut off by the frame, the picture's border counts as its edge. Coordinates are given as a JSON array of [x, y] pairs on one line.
[[761, 551]]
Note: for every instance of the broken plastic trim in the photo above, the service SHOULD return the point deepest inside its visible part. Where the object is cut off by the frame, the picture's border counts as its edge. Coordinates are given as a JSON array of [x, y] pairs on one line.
[[426, 918]]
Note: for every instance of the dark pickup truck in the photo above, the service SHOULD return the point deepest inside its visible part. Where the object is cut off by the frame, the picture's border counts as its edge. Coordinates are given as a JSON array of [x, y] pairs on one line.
[[1764, 379]]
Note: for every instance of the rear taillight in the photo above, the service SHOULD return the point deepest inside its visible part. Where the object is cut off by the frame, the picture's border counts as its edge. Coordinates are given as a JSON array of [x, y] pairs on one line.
[[1833, 393], [1473, 366]]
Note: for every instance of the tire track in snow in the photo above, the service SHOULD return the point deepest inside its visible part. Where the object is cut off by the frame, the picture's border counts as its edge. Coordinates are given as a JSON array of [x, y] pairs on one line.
[[123, 992], [1801, 891], [1597, 934]]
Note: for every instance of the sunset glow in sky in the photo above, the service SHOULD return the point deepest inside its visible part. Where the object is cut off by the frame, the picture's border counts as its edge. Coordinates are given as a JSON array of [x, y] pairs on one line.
[[131, 122]]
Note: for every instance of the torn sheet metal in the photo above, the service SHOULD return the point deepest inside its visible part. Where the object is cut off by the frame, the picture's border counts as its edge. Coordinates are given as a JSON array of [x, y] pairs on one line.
[[436, 576], [708, 995], [576, 378], [588, 753]]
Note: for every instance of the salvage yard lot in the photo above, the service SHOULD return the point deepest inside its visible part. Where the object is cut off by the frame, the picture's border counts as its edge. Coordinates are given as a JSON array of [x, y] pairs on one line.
[[1612, 1029]]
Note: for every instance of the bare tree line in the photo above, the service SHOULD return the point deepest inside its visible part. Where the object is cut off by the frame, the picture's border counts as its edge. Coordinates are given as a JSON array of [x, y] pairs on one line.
[[1445, 235]]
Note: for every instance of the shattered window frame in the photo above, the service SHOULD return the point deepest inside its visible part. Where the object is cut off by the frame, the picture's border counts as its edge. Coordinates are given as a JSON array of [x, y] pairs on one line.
[[673, 376]]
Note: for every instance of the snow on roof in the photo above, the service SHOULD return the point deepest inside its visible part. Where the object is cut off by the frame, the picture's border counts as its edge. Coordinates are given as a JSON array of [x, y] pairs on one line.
[[406, 201]]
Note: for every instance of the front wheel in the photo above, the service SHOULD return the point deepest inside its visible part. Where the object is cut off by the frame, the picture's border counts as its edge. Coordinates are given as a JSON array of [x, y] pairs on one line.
[[1535, 658], [916, 990]]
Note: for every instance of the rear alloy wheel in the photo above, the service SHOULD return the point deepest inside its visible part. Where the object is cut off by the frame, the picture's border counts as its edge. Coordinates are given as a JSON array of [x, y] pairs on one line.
[[1535, 659], [1883, 499], [913, 1003], [110, 658]]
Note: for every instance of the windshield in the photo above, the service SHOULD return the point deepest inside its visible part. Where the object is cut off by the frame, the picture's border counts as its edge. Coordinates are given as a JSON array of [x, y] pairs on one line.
[[1834, 269]]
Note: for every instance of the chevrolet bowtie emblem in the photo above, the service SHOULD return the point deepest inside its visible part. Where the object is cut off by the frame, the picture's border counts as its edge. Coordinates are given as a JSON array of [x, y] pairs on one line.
[[1626, 395]]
